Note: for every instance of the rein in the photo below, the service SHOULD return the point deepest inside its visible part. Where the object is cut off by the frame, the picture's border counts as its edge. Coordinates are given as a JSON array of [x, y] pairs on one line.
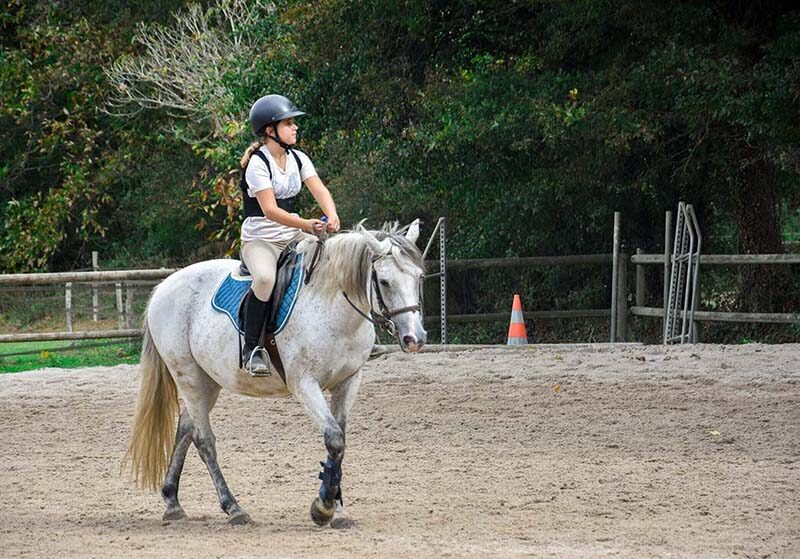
[[322, 236]]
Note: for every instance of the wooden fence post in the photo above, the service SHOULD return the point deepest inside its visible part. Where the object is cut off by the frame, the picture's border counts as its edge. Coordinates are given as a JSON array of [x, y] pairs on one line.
[[95, 302], [641, 286], [120, 307], [697, 331], [615, 277], [68, 304], [129, 306], [622, 297]]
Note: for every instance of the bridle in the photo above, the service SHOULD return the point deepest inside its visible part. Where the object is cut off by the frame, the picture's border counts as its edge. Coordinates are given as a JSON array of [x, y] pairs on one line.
[[383, 319]]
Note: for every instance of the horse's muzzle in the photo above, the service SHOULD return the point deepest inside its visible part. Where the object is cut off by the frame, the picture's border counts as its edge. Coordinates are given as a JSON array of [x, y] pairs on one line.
[[412, 344]]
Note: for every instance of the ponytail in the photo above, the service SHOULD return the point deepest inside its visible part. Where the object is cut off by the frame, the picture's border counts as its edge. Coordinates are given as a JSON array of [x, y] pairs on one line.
[[248, 153]]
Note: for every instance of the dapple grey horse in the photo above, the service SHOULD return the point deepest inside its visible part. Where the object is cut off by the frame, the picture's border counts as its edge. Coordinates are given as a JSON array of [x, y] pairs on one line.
[[190, 351]]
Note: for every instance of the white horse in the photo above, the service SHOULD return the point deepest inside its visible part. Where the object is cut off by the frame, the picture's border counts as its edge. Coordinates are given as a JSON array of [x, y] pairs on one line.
[[191, 350]]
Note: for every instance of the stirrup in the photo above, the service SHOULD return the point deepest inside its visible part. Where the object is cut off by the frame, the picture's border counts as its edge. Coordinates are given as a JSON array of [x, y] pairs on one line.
[[265, 358]]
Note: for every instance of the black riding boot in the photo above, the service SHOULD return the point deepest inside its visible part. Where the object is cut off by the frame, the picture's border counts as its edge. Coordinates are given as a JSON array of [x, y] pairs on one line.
[[254, 315]]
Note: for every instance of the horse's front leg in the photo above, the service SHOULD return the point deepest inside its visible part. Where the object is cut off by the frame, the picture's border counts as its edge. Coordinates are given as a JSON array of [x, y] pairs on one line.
[[342, 398], [309, 392]]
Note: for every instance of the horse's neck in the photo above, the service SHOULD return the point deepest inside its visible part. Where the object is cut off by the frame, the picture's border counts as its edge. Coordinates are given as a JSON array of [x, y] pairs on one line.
[[332, 312]]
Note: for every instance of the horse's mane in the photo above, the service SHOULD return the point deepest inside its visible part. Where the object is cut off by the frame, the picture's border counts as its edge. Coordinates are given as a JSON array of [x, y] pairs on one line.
[[346, 259]]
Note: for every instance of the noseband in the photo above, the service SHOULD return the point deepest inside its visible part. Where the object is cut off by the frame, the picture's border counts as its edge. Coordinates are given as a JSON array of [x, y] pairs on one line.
[[383, 319]]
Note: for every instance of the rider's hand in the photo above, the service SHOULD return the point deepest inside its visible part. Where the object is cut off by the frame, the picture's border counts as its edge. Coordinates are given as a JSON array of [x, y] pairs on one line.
[[333, 223], [314, 226]]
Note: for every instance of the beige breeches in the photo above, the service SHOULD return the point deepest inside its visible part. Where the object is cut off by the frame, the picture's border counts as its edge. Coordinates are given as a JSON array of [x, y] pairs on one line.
[[261, 258]]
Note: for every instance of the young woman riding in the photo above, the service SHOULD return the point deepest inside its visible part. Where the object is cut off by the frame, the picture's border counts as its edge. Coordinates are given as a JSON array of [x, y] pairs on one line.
[[273, 173]]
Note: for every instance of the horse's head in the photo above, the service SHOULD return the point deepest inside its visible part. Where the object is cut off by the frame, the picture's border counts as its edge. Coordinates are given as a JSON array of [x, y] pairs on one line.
[[396, 283]]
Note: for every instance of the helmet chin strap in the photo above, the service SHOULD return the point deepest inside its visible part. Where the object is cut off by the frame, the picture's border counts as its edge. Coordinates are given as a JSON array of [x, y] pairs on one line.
[[277, 138]]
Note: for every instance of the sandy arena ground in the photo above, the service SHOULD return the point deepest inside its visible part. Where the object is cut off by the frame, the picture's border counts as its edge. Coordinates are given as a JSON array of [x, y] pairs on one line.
[[574, 452]]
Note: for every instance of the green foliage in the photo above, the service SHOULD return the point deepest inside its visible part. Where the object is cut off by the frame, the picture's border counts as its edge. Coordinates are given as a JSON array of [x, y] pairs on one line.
[[66, 163], [526, 124]]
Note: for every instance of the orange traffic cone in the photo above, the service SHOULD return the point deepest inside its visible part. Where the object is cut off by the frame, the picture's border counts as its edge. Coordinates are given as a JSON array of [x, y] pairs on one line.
[[517, 335]]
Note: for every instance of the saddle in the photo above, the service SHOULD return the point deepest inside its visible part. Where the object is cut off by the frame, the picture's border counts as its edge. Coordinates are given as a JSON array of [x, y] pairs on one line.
[[230, 299]]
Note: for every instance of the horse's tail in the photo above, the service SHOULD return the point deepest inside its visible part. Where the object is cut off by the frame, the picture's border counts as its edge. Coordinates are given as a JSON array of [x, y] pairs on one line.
[[153, 431]]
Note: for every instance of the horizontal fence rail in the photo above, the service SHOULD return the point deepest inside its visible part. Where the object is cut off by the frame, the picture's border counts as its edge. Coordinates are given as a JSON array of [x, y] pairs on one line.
[[95, 279], [714, 316], [520, 262], [725, 259], [7, 281], [639, 310], [528, 261], [57, 336], [529, 315], [76, 277], [429, 321]]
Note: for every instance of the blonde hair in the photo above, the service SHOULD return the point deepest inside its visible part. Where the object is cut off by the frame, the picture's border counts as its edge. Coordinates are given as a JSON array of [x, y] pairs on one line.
[[248, 153]]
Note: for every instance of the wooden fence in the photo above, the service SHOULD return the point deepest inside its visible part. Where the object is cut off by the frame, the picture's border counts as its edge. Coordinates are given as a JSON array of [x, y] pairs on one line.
[[116, 278], [522, 262], [640, 260], [121, 276], [619, 313]]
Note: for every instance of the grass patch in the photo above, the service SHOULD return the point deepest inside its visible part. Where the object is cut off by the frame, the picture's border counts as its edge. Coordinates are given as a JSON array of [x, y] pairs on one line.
[[26, 356]]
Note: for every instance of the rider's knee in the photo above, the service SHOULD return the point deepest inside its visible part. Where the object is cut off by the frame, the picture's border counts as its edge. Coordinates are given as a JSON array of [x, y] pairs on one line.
[[262, 287]]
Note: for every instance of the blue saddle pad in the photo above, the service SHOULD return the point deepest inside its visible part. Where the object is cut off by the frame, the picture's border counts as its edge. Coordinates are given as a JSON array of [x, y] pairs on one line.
[[228, 296]]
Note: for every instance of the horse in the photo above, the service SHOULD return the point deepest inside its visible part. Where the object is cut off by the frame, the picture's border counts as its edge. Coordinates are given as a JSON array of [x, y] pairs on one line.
[[190, 350]]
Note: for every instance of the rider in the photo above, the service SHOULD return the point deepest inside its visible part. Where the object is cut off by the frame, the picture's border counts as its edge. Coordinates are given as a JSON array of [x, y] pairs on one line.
[[272, 177]]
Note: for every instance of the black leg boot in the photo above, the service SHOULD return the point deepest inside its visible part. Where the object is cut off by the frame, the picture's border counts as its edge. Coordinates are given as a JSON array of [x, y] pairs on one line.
[[254, 357]]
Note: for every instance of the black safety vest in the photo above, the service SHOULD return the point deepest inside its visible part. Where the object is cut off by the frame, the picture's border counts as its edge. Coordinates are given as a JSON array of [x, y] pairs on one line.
[[251, 206]]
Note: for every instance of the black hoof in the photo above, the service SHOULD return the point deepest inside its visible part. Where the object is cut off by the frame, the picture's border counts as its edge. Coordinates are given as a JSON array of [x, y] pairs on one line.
[[239, 518], [174, 514], [343, 523], [320, 514]]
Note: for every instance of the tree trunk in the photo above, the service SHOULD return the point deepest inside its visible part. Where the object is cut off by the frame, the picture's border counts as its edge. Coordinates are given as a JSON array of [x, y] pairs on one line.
[[758, 220]]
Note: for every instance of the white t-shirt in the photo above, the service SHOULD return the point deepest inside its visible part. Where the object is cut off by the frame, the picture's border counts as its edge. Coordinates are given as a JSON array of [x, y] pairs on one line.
[[285, 184]]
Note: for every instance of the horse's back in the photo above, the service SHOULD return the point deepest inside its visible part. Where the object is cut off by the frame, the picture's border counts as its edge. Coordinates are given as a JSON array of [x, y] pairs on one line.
[[179, 300], [191, 283]]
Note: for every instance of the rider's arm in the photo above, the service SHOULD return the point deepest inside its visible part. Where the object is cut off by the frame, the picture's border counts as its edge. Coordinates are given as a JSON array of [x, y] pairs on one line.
[[323, 197]]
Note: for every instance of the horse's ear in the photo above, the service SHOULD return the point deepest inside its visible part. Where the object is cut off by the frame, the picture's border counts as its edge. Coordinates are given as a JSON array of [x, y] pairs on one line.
[[379, 248], [413, 231], [384, 247]]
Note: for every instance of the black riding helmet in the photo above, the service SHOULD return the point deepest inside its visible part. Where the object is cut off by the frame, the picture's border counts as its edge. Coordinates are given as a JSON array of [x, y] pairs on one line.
[[271, 109]]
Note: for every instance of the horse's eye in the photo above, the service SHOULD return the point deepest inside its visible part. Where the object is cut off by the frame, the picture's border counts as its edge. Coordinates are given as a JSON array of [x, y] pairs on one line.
[[384, 283]]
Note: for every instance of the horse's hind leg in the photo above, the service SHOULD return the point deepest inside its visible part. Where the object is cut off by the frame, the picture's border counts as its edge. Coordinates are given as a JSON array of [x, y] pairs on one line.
[[199, 393], [169, 491], [205, 441]]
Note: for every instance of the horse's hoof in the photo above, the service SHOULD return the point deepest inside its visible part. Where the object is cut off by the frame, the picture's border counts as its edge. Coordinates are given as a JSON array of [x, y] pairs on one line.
[[175, 513], [320, 514], [343, 523], [239, 518]]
